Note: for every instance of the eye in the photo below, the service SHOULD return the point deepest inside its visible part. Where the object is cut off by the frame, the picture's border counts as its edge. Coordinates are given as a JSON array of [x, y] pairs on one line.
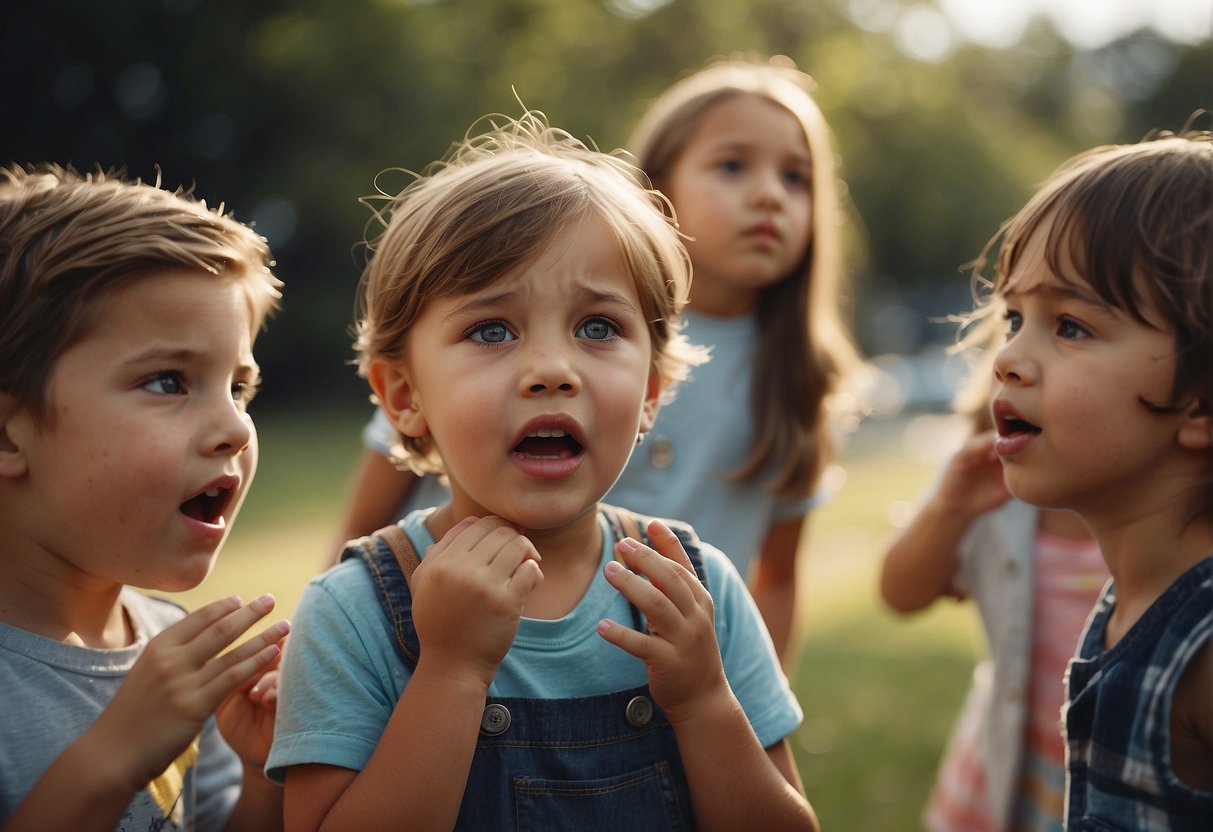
[[1014, 320], [597, 329], [244, 392], [796, 179], [729, 166], [490, 332], [166, 383], [1071, 330]]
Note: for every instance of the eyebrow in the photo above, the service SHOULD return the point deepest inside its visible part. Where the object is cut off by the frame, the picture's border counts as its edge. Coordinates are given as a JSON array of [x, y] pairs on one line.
[[586, 293], [1057, 290], [176, 356]]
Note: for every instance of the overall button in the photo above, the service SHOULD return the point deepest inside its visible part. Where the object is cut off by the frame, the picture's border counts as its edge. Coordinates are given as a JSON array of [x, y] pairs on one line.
[[494, 720], [639, 711]]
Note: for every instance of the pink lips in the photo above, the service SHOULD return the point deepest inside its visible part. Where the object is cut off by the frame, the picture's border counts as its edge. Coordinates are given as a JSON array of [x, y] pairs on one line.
[[548, 447], [1014, 433]]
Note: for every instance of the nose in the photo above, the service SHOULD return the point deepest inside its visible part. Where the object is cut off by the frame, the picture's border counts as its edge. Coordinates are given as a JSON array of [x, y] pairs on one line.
[[1013, 364], [550, 368], [231, 430], [768, 187]]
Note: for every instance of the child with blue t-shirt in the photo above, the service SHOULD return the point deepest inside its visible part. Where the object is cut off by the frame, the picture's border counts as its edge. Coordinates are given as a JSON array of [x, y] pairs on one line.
[[523, 654]]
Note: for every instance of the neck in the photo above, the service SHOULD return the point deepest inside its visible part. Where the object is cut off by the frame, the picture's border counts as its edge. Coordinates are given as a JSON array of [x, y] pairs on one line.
[[47, 597]]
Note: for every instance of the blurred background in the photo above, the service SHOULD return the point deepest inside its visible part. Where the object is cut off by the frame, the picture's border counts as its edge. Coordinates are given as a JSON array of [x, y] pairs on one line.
[[946, 114]]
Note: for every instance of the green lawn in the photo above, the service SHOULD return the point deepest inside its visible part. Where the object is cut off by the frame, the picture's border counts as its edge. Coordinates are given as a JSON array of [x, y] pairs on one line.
[[879, 692]]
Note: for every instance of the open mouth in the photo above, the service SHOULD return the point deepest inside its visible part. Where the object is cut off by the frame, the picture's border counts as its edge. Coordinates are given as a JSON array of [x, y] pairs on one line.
[[1013, 424], [548, 443], [208, 506]]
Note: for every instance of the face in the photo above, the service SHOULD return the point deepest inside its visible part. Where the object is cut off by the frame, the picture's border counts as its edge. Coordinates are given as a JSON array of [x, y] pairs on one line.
[[741, 188], [1073, 431], [148, 450], [534, 386]]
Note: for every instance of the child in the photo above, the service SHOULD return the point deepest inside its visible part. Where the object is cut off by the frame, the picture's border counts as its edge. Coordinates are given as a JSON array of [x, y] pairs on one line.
[[1034, 575], [744, 154], [520, 330], [127, 320], [1102, 399]]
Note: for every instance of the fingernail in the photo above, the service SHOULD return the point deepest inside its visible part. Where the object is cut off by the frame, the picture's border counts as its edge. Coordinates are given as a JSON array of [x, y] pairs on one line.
[[604, 626], [613, 568], [628, 545], [263, 603]]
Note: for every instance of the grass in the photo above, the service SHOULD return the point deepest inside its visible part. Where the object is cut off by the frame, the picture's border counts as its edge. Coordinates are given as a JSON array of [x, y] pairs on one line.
[[879, 691]]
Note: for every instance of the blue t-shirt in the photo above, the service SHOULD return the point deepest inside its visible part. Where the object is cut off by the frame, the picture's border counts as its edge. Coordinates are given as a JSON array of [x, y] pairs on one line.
[[681, 469], [341, 676]]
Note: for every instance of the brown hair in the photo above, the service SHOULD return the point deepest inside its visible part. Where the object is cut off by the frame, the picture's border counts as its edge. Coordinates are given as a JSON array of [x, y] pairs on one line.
[[805, 351], [492, 203], [67, 237]]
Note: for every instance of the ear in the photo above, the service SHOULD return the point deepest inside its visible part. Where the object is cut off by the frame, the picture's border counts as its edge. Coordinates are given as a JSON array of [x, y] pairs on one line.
[[652, 404], [1196, 429], [397, 396], [15, 422]]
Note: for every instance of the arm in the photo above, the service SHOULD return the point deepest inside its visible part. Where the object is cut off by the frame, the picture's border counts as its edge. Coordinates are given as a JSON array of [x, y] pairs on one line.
[[776, 588], [1192, 722], [377, 491], [178, 681], [760, 788], [468, 596], [920, 563]]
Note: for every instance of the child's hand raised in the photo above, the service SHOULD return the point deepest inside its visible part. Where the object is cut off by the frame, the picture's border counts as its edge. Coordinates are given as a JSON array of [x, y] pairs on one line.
[[680, 649], [469, 593], [180, 680], [246, 717], [972, 483]]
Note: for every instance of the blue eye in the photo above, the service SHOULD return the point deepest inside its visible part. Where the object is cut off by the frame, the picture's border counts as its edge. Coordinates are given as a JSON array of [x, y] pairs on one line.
[[491, 332], [1014, 320], [1071, 330], [167, 383], [597, 329]]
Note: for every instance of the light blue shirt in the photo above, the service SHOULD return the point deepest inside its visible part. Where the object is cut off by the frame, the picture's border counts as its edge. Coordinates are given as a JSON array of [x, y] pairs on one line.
[[341, 675]]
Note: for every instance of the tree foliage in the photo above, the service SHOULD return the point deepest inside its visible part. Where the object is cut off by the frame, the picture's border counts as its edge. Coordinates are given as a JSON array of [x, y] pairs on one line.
[[287, 110]]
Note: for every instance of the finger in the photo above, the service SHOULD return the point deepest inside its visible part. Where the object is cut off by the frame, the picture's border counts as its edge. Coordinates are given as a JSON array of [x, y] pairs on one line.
[[217, 637], [636, 643], [274, 634], [236, 675], [669, 545], [188, 628], [509, 550], [666, 577], [526, 577], [650, 599]]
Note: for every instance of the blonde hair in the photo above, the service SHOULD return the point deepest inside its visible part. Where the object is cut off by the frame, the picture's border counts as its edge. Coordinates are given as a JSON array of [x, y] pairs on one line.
[[805, 351], [499, 197], [67, 237]]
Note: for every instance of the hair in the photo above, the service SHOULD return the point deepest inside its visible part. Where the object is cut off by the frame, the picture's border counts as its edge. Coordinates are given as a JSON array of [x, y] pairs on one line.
[[67, 238], [805, 350], [1135, 223], [494, 202]]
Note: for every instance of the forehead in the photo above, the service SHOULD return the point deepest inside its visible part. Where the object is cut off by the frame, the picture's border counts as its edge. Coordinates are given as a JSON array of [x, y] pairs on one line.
[[746, 119]]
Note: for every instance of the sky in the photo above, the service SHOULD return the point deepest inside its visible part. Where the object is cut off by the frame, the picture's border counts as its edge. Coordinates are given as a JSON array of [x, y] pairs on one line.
[[931, 32]]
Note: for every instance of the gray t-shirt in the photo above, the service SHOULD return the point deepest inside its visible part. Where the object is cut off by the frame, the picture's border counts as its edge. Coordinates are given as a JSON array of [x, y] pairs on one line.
[[50, 692]]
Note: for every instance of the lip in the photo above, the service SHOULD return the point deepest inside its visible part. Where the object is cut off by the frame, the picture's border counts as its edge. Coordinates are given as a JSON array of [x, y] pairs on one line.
[[549, 467], [207, 516], [765, 231], [1012, 439]]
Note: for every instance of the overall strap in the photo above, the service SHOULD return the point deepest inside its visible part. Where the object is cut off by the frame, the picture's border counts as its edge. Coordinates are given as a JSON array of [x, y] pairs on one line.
[[627, 523], [391, 559]]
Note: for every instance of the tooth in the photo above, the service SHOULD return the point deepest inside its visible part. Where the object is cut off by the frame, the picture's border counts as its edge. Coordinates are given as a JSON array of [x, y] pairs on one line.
[[213, 492], [547, 433]]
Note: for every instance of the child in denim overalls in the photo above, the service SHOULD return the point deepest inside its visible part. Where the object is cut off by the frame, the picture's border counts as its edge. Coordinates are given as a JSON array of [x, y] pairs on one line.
[[523, 656]]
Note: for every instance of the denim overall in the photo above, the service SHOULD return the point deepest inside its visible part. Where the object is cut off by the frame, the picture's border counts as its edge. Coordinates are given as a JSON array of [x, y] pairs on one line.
[[594, 762]]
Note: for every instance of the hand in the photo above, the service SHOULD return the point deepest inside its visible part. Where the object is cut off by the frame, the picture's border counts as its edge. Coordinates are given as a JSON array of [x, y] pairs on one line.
[[179, 681], [469, 593], [680, 649], [972, 483], [246, 717]]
